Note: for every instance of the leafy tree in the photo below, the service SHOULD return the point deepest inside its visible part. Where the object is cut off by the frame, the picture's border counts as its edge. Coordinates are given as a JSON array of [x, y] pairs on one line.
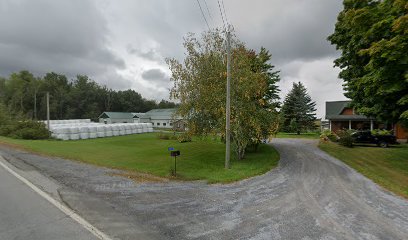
[[298, 110], [373, 38], [200, 86]]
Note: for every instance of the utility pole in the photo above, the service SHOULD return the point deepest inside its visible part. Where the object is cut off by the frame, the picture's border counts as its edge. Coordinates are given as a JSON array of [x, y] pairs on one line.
[[35, 104], [228, 104], [48, 111]]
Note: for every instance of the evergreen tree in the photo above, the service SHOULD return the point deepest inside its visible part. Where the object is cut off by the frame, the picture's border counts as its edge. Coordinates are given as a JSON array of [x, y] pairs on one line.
[[298, 110]]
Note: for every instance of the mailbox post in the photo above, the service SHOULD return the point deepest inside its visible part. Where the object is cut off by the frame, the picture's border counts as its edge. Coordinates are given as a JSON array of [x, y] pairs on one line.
[[175, 154]]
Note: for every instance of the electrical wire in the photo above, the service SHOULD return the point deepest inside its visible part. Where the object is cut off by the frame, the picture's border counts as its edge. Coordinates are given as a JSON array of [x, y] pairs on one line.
[[225, 14], [205, 19], [222, 17], [208, 10]]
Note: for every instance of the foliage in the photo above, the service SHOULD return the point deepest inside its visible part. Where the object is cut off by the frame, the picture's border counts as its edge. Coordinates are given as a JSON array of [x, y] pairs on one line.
[[77, 98], [25, 130], [144, 153], [184, 137], [380, 132], [200, 86], [298, 110], [373, 39], [329, 135], [345, 138]]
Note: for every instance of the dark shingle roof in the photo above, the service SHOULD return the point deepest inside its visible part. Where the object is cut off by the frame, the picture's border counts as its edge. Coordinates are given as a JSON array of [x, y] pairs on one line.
[[334, 110]]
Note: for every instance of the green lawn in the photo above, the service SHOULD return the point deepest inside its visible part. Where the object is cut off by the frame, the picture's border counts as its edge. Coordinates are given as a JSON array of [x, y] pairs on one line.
[[387, 167], [294, 135], [145, 153]]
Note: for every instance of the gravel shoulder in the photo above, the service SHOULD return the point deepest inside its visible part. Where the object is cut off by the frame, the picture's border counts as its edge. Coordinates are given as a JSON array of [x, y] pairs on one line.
[[310, 195]]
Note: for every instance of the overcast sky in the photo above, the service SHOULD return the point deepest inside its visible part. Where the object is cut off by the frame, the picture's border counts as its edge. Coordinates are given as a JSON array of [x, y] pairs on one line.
[[122, 44]]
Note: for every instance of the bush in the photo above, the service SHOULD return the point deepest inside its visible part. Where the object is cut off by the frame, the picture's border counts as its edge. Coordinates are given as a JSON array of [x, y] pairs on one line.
[[345, 138], [184, 138], [329, 135], [25, 130]]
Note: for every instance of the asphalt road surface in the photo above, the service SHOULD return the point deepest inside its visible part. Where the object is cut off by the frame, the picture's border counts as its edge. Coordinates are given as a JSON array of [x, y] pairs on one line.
[[309, 196], [26, 215]]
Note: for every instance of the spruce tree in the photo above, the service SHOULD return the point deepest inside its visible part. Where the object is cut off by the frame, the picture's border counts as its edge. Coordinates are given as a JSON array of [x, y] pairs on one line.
[[298, 110]]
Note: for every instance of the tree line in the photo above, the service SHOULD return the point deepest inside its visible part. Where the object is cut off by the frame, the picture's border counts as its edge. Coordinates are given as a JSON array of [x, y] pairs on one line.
[[24, 94]]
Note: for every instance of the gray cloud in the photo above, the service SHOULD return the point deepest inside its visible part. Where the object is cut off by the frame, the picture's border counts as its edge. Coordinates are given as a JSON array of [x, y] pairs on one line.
[[115, 42], [154, 74], [151, 54], [69, 37]]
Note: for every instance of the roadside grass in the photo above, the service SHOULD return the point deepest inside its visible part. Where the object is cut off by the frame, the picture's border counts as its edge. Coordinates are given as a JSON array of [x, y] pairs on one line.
[[201, 159], [387, 167], [309, 135]]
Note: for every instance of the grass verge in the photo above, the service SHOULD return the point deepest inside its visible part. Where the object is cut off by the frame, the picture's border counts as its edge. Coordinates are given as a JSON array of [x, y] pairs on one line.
[[302, 135], [387, 167], [202, 159]]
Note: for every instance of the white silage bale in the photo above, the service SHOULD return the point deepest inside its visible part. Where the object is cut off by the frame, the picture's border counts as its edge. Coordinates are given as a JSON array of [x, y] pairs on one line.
[[122, 130], [115, 130], [84, 132], [145, 127], [128, 129], [73, 133], [108, 131], [92, 132], [134, 129], [139, 128], [100, 131], [149, 127], [63, 133]]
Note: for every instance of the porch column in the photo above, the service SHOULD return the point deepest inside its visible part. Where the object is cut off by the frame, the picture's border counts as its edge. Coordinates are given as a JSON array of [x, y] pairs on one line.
[[371, 125], [330, 125], [349, 124]]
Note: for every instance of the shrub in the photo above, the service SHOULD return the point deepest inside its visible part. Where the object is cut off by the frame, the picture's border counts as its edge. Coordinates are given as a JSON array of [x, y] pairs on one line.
[[25, 130], [31, 130], [345, 138], [184, 138], [329, 135]]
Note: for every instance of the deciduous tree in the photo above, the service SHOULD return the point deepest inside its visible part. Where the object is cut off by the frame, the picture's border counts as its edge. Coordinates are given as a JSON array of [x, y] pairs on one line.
[[373, 39], [200, 86]]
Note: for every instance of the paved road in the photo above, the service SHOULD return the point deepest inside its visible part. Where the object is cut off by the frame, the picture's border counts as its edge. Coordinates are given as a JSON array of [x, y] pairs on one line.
[[309, 196], [26, 215]]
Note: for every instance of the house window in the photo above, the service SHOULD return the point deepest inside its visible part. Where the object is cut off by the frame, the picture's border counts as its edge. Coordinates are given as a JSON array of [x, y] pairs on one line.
[[164, 124], [158, 124]]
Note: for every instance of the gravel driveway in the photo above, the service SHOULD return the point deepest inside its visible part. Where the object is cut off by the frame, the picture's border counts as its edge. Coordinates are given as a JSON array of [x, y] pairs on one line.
[[309, 196]]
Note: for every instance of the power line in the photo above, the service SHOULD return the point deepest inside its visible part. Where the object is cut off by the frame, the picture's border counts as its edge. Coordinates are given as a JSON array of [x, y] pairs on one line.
[[225, 14], [208, 10], [222, 17], [203, 14]]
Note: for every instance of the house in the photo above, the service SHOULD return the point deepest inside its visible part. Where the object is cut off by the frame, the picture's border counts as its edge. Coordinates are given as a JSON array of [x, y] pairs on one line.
[[116, 117], [341, 116]]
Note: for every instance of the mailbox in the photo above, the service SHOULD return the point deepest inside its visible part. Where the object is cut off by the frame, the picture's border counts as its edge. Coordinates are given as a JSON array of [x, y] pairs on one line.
[[175, 153]]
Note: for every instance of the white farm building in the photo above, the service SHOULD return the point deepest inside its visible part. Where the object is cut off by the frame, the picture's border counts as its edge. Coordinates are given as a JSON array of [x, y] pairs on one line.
[[159, 118]]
